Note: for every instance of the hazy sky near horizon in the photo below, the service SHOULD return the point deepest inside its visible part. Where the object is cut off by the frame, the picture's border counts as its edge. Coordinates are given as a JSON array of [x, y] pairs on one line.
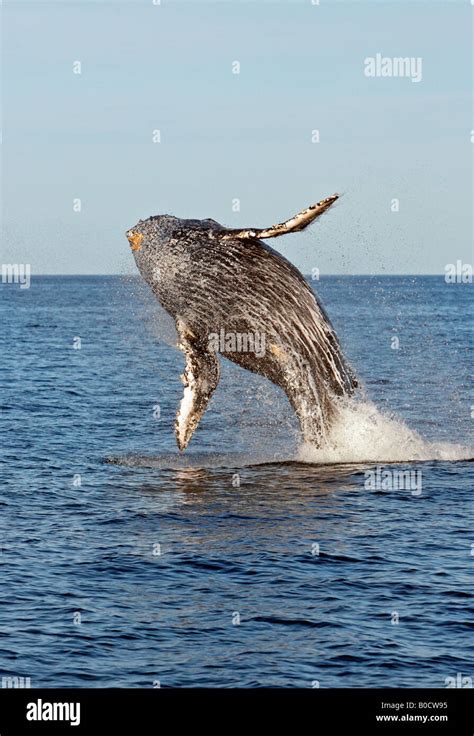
[[246, 136]]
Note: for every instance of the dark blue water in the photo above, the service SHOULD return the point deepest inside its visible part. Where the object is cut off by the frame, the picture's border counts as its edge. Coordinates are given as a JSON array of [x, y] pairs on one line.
[[157, 567]]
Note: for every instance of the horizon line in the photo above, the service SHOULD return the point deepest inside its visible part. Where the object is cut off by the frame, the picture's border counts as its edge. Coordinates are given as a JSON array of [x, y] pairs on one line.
[[137, 275]]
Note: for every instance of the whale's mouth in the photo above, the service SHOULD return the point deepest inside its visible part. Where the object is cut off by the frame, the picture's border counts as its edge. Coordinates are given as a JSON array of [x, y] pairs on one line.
[[135, 239]]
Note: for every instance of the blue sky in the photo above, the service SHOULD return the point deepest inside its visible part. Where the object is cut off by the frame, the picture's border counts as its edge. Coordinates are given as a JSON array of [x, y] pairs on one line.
[[244, 136]]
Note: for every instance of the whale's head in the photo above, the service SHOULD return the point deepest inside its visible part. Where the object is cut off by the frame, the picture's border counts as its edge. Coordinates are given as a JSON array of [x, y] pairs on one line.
[[154, 242], [163, 246], [149, 236], [159, 231]]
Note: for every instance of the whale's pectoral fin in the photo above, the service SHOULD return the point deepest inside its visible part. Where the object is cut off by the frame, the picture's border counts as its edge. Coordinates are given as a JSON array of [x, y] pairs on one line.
[[200, 378], [293, 225]]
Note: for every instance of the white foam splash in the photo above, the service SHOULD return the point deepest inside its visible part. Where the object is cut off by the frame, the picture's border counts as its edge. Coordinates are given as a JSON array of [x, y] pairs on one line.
[[361, 433]]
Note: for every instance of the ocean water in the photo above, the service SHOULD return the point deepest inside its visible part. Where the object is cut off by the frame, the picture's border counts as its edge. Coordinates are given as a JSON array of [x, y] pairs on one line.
[[250, 560]]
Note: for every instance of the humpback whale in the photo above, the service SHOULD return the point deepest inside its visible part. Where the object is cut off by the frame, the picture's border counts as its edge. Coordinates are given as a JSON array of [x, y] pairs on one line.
[[229, 292]]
